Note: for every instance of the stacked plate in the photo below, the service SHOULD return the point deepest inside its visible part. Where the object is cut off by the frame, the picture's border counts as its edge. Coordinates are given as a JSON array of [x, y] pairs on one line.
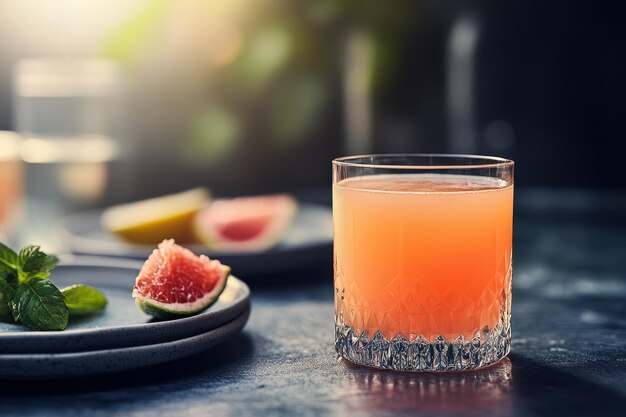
[[120, 338]]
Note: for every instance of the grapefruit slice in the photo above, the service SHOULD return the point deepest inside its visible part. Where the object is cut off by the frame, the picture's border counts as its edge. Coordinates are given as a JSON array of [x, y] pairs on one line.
[[174, 282], [245, 224], [151, 221]]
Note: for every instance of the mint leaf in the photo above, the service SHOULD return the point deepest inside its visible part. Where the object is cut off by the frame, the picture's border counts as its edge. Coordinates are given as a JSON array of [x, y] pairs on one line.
[[7, 256], [83, 299], [39, 304], [33, 263], [6, 293]]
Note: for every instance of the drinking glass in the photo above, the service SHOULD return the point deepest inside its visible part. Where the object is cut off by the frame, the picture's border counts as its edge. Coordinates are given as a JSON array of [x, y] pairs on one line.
[[422, 259], [68, 112]]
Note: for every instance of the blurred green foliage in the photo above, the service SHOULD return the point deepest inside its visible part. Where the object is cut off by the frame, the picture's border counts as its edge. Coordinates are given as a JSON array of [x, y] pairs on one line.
[[279, 66], [214, 132]]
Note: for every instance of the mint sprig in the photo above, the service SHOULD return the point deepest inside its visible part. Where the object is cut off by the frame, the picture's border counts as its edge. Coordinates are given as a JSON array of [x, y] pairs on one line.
[[29, 298]]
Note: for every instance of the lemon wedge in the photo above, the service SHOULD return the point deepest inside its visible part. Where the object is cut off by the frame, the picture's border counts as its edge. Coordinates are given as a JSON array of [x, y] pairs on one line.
[[151, 221]]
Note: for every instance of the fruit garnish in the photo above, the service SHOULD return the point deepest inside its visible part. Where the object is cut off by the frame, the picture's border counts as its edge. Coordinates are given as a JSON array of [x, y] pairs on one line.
[[150, 221], [245, 224], [174, 282]]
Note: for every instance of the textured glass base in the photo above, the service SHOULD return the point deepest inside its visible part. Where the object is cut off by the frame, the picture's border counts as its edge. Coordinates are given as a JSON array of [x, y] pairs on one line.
[[438, 355]]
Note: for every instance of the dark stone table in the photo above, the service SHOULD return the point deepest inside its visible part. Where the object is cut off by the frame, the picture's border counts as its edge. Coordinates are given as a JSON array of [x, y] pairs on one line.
[[568, 356]]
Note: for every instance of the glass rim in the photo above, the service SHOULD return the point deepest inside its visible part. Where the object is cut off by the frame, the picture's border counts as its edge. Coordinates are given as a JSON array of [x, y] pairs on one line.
[[490, 161]]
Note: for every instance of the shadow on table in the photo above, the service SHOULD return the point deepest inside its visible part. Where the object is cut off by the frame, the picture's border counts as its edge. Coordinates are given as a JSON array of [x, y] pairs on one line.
[[211, 362], [515, 386]]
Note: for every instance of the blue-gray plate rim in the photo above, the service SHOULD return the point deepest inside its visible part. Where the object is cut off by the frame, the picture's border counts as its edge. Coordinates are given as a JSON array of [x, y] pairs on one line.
[[96, 362]]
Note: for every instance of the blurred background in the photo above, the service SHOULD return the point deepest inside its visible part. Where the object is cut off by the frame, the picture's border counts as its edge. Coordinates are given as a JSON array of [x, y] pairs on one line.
[[122, 100]]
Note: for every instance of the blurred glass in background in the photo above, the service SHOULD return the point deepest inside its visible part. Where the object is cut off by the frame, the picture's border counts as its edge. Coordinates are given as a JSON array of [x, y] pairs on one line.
[[67, 113], [64, 110]]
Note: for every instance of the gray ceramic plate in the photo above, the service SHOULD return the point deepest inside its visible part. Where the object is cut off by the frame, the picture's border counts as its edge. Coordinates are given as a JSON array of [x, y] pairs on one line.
[[121, 324], [78, 364], [307, 242]]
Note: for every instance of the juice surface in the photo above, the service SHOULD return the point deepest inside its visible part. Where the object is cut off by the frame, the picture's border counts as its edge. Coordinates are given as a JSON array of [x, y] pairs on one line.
[[422, 254]]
